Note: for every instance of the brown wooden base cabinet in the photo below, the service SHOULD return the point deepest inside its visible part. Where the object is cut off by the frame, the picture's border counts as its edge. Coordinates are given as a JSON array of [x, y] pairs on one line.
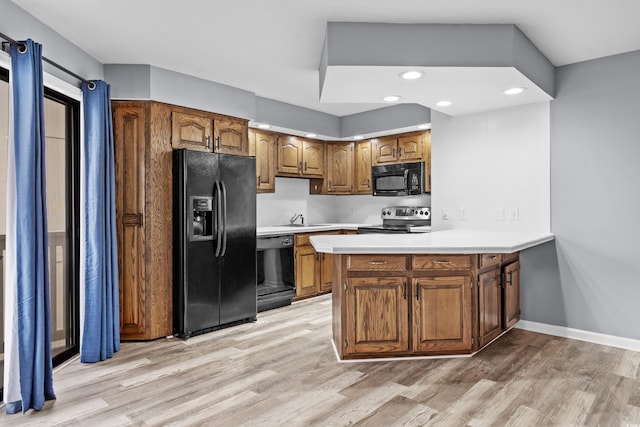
[[313, 270], [422, 305]]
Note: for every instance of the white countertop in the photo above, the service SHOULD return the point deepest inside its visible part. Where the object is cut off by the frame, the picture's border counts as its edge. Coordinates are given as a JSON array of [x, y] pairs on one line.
[[440, 242], [276, 230]]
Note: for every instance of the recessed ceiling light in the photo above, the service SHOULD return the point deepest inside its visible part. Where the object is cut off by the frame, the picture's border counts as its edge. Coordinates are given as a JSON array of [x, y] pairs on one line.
[[358, 137], [514, 90], [391, 98], [311, 135], [424, 126], [264, 126], [443, 103], [411, 75]]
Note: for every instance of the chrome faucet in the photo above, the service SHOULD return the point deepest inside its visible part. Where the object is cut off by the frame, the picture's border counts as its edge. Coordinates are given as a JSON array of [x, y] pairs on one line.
[[295, 217]]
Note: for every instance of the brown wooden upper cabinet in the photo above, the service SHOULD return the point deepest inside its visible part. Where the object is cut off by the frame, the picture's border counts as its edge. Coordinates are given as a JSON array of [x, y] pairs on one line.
[[340, 168], [262, 145], [363, 167], [406, 148], [230, 136], [202, 131], [300, 157], [191, 130]]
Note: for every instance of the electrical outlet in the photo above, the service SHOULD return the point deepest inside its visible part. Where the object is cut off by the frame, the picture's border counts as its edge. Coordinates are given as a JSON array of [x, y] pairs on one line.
[[499, 214], [445, 214], [464, 213], [514, 214]]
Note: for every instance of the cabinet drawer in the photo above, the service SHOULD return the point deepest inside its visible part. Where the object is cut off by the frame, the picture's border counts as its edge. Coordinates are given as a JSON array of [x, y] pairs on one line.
[[377, 263], [487, 260], [441, 262], [509, 258], [302, 239]]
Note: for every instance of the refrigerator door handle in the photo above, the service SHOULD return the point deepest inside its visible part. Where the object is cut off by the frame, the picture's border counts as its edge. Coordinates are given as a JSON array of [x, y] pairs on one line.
[[219, 219], [224, 219]]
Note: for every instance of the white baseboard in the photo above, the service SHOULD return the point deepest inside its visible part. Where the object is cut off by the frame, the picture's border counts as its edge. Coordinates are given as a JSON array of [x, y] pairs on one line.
[[579, 334]]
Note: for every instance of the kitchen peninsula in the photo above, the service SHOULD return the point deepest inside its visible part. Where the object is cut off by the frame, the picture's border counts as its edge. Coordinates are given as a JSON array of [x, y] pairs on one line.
[[448, 292]]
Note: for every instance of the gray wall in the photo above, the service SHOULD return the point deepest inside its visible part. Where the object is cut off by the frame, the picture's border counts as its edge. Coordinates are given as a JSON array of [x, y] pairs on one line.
[[293, 117], [590, 277], [381, 119], [19, 25]]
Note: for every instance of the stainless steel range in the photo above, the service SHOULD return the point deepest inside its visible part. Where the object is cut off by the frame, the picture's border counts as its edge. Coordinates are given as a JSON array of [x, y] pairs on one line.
[[400, 219]]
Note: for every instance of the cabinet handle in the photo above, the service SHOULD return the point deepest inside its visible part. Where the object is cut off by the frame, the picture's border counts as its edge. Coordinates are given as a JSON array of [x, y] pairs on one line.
[[417, 290], [141, 221], [300, 166], [393, 152], [218, 141], [208, 141], [305, 165], [404, 290], [442, 262], [400, 151], [377, 262], [510, 279], [258, 182]]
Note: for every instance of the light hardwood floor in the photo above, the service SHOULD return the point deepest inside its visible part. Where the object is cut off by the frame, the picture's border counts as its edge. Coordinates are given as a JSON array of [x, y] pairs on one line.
[[281, 370]]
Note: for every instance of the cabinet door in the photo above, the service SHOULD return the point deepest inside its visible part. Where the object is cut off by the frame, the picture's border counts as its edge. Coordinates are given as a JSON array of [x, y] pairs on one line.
[[312, 158], [340, 168], [378, 315], [129, 141], [363, 167], [489, 306], [325, 261], [289, 155], [442, 314], [385, 150], [264, 152], [192, 131], [231, 136], [427, 160], [511, 294], [410, 148], [305, 264]]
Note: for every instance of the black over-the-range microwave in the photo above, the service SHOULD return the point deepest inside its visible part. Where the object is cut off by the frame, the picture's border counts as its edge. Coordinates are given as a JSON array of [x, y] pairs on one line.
[[401, 179]]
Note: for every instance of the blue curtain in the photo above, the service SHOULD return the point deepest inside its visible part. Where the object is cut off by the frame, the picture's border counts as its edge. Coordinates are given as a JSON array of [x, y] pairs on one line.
[[101, 334], [28, 366]]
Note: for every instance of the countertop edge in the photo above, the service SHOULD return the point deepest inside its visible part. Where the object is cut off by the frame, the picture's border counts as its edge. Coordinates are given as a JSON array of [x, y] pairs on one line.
[[322, 244]]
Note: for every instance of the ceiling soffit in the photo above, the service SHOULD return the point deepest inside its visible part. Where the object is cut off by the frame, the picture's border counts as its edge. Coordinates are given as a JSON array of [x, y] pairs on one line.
[[467, 64]]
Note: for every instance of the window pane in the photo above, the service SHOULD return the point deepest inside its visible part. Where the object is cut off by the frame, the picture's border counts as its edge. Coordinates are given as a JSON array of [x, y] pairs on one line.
[[58, 215]]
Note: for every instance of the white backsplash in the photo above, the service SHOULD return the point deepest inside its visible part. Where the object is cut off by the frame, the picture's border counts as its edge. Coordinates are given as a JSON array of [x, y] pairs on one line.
[[292, 197]]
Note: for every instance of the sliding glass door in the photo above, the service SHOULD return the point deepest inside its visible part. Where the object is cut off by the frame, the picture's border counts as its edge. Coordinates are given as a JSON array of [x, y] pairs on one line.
[[62, 128]]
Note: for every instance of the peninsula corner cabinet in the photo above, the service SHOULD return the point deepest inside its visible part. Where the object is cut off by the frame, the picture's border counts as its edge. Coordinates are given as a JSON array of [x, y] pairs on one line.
[[143, 175], [398, 305]]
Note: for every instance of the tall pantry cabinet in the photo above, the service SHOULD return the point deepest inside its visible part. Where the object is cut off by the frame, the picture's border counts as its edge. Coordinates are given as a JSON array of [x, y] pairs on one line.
[[143, 219]]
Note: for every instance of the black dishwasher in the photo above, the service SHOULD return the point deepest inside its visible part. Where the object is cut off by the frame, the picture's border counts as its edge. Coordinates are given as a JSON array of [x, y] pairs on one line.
[[275, 271]]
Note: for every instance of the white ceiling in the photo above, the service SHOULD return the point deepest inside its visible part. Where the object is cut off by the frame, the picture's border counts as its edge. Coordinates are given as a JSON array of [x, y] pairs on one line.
[[272, 47]]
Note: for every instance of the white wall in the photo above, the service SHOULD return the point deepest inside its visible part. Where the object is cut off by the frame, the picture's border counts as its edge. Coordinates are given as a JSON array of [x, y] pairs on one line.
[[488, 164], [292, 196]]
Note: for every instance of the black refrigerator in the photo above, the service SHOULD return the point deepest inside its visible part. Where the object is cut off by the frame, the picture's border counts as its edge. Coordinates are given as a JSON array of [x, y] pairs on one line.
[[214, 214]]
